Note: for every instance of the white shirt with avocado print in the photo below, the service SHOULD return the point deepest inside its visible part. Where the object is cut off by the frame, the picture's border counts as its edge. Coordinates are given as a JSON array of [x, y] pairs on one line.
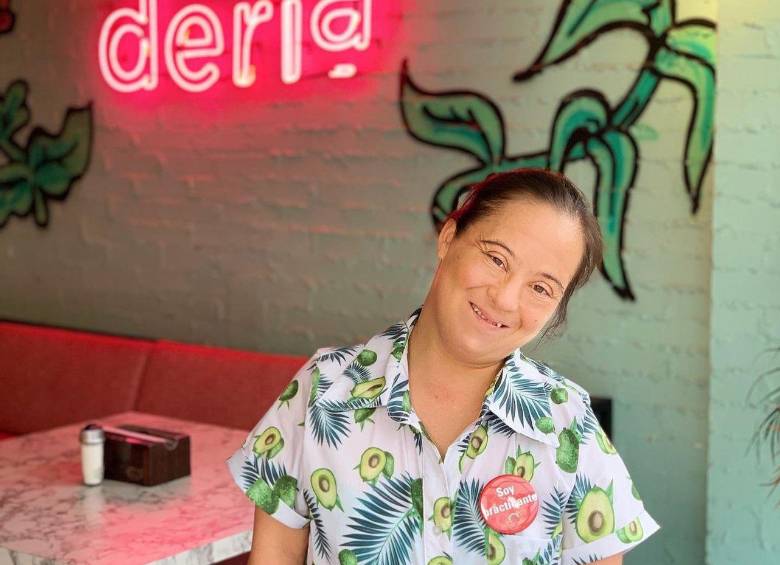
[[343, 451]]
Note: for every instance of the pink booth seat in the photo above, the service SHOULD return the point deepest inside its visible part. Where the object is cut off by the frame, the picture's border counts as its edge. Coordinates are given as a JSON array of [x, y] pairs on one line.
[[213, 385], [50, 377]]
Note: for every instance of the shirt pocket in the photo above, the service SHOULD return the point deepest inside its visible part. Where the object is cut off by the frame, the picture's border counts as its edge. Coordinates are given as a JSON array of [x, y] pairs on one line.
[[520, 546]]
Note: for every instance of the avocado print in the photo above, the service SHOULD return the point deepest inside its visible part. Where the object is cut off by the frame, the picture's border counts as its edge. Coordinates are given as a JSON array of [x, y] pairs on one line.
[[417, 496], [595, 515], [369, 389], [398, 349], [494, 550], [315, 383], [285, 489], [568, 452], [269, 443], [263, 496], [522, 465], [559, 395], [363, 415], [525, 466], [323, 483], [347, 557], [545, 425], [406, 402], [631, 532], [288, 394], [442, 515], [604, 443], [366, 357], [352, 467], [634, 492], [375, 462], [477, 442]]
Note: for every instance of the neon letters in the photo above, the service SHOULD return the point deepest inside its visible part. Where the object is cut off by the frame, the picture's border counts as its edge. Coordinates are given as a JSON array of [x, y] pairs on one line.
[[194, 38]]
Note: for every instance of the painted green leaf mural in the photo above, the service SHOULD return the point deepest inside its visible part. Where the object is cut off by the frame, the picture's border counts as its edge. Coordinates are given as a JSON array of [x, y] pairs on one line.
[[698, 75], [615, 156], [459, 119], [586, 125], [579, 116], [50, 163], [580, 22]]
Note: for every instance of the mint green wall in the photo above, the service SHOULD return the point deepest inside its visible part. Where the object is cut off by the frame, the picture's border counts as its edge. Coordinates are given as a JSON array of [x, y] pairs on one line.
[[743, 520]]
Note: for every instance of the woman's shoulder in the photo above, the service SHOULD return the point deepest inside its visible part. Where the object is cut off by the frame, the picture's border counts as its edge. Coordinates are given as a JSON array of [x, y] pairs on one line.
[[555, 381]]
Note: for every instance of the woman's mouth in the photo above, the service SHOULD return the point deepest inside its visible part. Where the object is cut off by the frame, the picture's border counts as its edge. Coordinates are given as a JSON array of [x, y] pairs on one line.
[[486, 319]]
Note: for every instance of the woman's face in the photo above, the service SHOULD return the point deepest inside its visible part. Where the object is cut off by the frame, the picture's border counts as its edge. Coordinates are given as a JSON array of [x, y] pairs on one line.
[[502, 279]]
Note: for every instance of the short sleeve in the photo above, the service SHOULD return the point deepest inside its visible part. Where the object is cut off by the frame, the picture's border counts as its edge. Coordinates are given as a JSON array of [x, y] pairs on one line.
[[268, 466], [604, 514]]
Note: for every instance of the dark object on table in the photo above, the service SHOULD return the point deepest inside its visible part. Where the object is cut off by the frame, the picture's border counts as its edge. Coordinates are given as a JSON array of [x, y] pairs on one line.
[[602, 407], [160, 457]]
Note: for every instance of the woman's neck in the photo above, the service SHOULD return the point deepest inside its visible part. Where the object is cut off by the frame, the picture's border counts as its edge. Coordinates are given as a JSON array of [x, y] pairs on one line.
[[434, 370]]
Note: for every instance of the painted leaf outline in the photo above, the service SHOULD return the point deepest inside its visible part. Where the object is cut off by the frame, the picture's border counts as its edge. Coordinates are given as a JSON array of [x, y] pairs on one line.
[[698, 76], [57, 160], [615, 156], [15, 193], [580, 115], [580, 22], [460, 119], [14, 113]]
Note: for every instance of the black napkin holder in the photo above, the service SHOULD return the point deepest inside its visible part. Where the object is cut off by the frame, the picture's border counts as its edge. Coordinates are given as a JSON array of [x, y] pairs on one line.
[[144, 462]]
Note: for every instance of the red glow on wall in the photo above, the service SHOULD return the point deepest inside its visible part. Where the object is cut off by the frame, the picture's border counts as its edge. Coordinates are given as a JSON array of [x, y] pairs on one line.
[[261, 46]]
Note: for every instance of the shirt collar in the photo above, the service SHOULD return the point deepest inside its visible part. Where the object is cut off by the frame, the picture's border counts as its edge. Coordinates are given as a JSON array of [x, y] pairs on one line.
[[518, 397]]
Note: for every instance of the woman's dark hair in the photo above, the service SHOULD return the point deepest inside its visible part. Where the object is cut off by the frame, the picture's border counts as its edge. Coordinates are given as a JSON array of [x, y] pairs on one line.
[[546, 186]]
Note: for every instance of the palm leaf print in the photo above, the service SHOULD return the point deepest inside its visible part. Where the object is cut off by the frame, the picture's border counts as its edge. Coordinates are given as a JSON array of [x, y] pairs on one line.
[[338, 354], [496, 425], [549, 555], [468, 525], [395, 406], [552, 510], [385, 523], [522, 398], [544, 369], [396, 332], [589, 559], [588, 425], [270, 471], [357, 372], [328, 426], [581, 486], [250, 472], [321, 543]]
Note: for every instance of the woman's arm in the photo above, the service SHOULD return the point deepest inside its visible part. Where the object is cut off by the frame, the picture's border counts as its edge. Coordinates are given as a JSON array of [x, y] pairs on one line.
[[273, 543]]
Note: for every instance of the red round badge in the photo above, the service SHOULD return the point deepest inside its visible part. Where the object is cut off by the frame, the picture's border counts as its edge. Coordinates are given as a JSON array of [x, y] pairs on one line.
[[508, 504]]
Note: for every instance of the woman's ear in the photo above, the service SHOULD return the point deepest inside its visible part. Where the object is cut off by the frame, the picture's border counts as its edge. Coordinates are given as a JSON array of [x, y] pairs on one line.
[[446, 235]]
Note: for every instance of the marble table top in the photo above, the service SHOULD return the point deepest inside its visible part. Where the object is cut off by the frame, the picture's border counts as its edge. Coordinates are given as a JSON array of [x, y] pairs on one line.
[[48, 516]]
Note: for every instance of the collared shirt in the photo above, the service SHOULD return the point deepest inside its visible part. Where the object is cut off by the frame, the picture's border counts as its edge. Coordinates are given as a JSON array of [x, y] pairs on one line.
[[344, 452]]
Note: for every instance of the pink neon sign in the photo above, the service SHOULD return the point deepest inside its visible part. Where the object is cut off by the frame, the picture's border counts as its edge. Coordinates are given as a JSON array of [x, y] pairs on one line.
[[134, 43]]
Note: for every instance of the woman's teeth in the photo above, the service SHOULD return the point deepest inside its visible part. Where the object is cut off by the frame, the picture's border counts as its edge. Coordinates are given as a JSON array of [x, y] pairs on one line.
[[479, 313]]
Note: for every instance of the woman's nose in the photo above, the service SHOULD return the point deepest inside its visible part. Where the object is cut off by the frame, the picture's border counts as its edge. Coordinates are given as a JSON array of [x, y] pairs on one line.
[[507, 296]]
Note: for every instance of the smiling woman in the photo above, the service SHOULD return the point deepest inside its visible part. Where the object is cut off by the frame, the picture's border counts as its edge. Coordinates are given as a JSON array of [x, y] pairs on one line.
[[516, 466]]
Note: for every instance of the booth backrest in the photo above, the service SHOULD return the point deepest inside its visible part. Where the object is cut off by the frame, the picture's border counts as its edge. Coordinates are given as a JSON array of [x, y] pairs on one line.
[[213, 385], [51, 377]]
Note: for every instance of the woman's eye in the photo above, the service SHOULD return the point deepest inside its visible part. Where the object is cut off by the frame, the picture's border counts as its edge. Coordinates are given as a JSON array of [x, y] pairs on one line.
[[497, 261], [541, 289]]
